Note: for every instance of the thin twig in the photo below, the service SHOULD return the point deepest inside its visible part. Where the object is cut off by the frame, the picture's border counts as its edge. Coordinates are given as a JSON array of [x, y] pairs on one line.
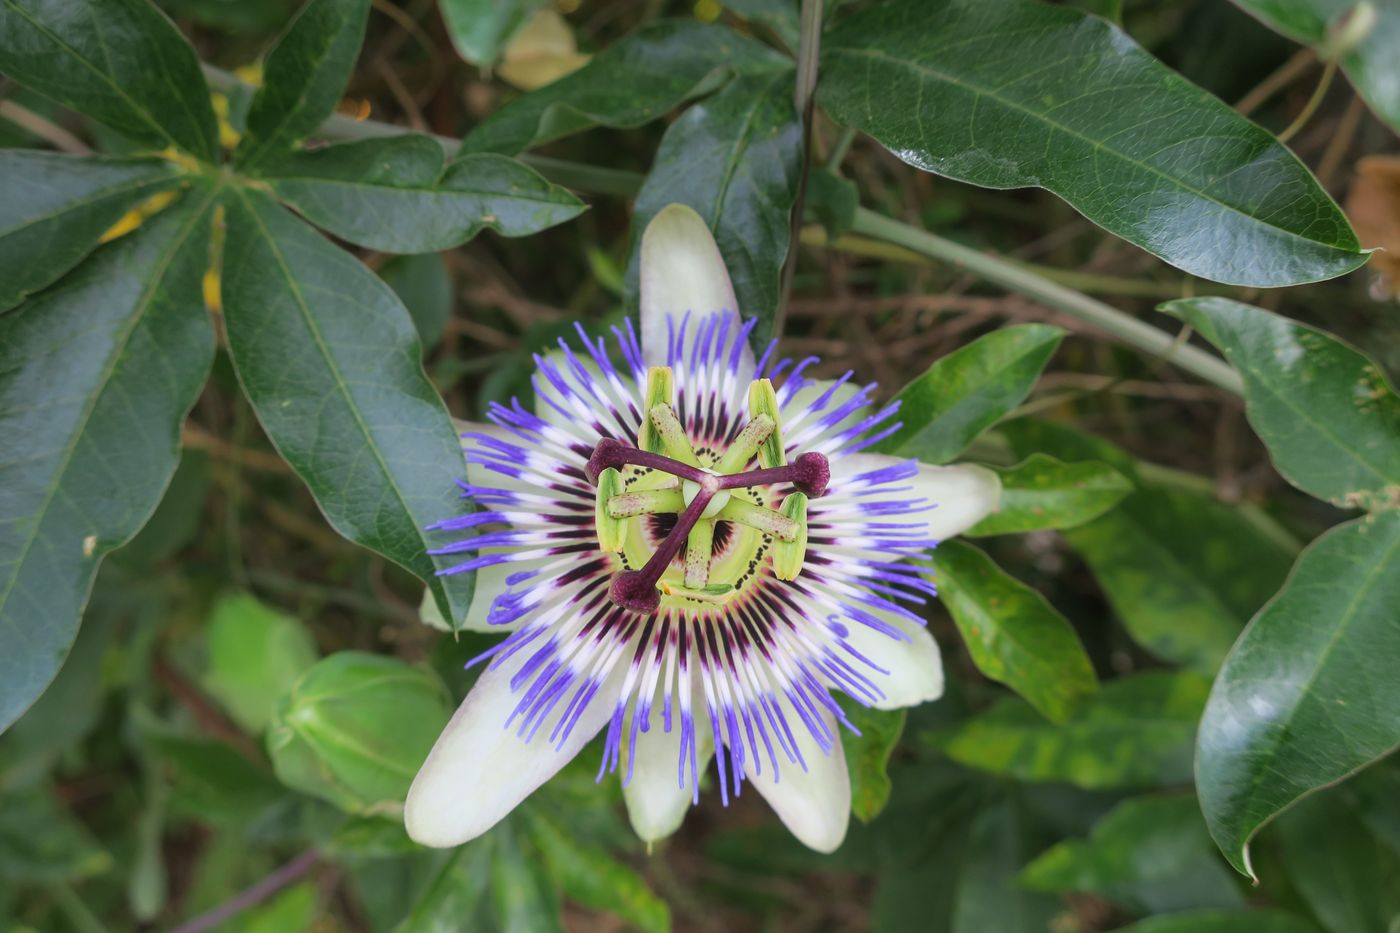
[[1313, 103], [46, 130], [253, 895], [1286, 74]]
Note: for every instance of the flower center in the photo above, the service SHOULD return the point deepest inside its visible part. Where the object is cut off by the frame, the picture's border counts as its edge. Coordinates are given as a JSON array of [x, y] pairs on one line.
[[664, 475]]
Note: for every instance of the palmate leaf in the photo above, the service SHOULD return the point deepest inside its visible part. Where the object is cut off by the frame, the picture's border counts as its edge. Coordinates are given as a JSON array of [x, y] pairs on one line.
[[1328, 414], [1042, 492], [1149, 854], [1182, 570], [121, 62], [1014, 635], [331, 362], [1021, 93], [1308, 695], [96, 375], [1135, 733], [393, 195], [303, 78], [970, 389], [735, 158], [1372, 65], [56, 208], [634, 81]]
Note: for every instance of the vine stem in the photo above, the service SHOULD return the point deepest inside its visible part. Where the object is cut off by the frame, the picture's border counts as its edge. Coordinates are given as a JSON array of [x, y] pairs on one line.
[[252, 896], [1018, 279], [809, 40], [1001, 271]]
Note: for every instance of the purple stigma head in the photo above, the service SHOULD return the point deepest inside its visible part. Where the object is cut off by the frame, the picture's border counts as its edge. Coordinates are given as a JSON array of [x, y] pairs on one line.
[[811, 474], [633, 591], [609, 453]]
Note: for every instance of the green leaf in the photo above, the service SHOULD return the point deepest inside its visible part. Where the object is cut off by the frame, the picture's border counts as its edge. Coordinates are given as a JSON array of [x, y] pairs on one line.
[[1014, 635], [1020, 93], [255, 655], [525, 899], [393, 195], [330, 360], [212, 782], [1149, 855], [455, 895], [1308, 695], [1223, 921], [121, 62], [356, 728], [868, 755], [480, 29], [1327, 413], [296, 908], [633, 81], [177, 521], [96, 376], [1135, 733], [1182, 570], [590, 877], [303, 78], [1348, 879], [833, 201], [969, 390], [41, 841], [781, 15], [424, 285], [1042, 492], [56, 208], [1370, 64], [986, 895], [735, 158]]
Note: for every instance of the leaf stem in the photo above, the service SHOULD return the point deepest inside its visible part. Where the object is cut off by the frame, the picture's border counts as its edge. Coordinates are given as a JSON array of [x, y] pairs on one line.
[[1018, 279], [1313, 103], [809, 39]]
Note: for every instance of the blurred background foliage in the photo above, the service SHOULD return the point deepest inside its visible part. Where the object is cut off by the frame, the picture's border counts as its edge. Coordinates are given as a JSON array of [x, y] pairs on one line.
[[250, 693]]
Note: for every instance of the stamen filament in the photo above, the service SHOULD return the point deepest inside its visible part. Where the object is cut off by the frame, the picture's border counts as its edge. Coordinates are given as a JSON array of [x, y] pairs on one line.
[[646, 502], [767, 521], [672, 434], [755, 433], [699, 547], [635, 590]]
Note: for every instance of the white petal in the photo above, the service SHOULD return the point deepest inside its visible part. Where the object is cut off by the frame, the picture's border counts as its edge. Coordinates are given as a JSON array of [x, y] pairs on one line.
[[656, 802], [815, 805], [963, 494], [479, 770], [915, 666], [682, 271]]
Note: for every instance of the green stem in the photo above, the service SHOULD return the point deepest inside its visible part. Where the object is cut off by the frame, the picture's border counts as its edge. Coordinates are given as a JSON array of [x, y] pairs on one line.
[[80, 917], [839, 150], [1076, 304], [809, 40]]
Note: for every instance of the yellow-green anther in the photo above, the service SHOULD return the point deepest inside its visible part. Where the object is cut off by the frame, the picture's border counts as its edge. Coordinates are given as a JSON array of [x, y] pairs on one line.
[[661, 389], [765, 520], [764, 401], [612, 532], [646, 502], [674, 442], [788, 556], [755, 433], [699, 547]]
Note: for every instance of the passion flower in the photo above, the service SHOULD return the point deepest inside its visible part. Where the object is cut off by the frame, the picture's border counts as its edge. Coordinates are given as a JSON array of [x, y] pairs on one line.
[[691, 549]]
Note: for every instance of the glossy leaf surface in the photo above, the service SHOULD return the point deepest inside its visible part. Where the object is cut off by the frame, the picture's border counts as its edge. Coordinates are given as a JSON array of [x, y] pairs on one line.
[[1136, 733], [1014, 635], [1345, 875], [330, 360], [303, 78], [1149, 854], [1371, 65], [735, 159], [1328, 414], [1042, 492], [1308, 695], [1019, 93], [393, 194], [634, 81], [868, 756], [121, 62], [967, 391], [96, 375], [56, 208]]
